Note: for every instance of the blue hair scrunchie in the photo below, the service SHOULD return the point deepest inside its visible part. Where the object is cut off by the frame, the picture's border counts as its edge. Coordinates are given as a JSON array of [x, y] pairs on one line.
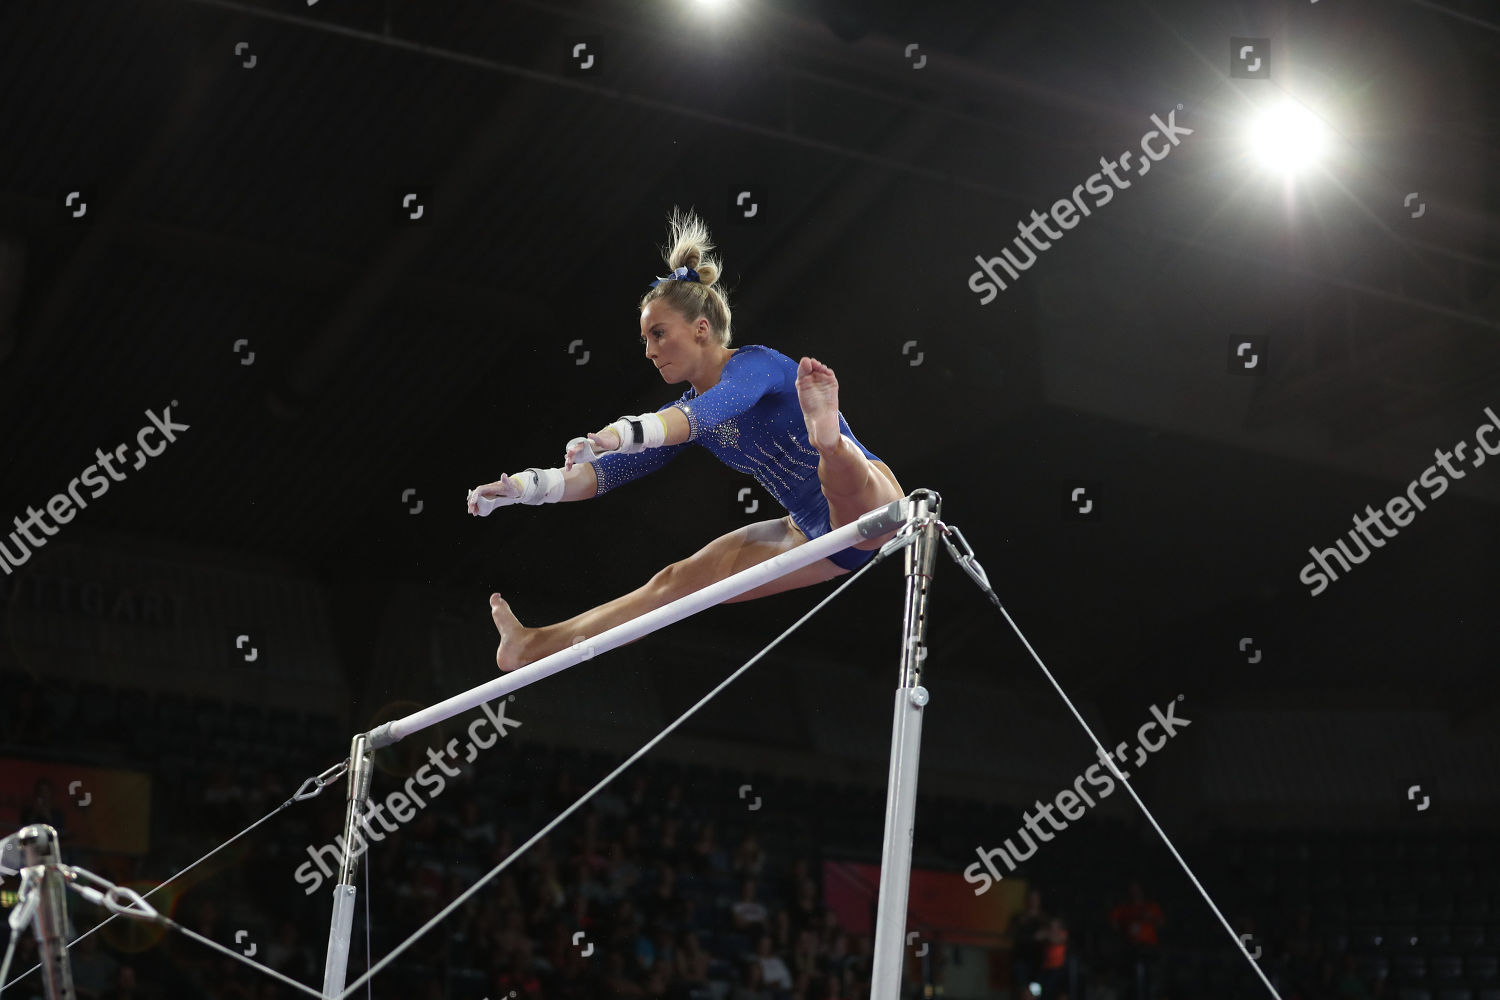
[[681, 274]]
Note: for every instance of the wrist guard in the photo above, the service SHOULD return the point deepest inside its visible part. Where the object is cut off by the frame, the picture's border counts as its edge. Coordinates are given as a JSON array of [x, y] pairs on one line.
[[638, 433]]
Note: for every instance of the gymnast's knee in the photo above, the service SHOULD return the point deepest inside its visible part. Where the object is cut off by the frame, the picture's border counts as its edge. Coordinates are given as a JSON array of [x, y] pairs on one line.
[[671, 582]]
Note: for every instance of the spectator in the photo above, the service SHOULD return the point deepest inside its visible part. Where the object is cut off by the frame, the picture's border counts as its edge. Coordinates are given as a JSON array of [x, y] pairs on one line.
[[791, 884], [617, 979], [285, 955], [1350, 985], [509, 974], [658, 986], [708, 857], [1137, 920], [625, 928], [507, 893], [472, 829], [125, 985], [773, 968], [751, 985], [624, 873], [1303, 951], [781, 930], [591, 857], [749, 859], [94, 970], [749, 913], [838, 958], [691, 962], [564, 792], [643, 949], [807, 911], [665, 951], [640, 795], [675, 804], [669, 848], [42, 808], [663, 904], [854, 987], [547, 894], [807, 959], [1098, 987], [611, 804], [1054, 971], [1028, 931]]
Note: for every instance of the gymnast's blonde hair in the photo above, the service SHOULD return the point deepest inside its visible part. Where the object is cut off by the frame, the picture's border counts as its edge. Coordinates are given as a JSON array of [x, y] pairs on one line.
[[688, 245]]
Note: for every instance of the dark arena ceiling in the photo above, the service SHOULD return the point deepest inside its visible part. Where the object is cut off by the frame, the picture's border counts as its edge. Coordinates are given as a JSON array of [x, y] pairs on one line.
[[207, 204]]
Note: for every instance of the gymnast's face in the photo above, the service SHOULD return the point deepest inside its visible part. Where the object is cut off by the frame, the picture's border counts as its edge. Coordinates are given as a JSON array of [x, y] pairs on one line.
[[678, 349]]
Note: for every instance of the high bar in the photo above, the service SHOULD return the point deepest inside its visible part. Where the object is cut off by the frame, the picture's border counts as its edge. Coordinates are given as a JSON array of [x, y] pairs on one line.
[[878, 522]]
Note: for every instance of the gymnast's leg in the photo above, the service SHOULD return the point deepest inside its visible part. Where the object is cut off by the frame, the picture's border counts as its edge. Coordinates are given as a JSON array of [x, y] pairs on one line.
[[852, 484], [718, 560]]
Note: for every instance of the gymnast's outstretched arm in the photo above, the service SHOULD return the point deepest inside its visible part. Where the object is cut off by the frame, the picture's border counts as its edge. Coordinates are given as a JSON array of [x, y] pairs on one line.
[[675, 430], [578, 483]]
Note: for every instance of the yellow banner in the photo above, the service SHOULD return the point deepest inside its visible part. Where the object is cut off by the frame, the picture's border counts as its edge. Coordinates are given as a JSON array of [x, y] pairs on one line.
[[102, 809]]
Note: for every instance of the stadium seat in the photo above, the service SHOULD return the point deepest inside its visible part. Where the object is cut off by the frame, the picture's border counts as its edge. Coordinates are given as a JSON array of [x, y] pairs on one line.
[[1468, 937], [1365, 938], [1410, 969], [1445, 969], [1437, 936], [1482, 969]]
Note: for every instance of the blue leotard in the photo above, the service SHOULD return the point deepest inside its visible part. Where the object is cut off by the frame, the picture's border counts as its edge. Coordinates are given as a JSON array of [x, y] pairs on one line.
[[751, 420]]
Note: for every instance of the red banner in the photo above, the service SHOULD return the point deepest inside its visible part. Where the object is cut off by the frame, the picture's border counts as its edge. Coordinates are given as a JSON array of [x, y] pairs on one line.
[[943, 903]]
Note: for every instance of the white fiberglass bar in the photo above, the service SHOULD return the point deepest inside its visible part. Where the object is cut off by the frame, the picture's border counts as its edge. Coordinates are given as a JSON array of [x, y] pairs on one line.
[[878, 522]]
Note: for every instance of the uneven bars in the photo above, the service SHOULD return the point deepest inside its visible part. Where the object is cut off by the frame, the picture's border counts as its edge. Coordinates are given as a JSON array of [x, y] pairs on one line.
[[878, 522]]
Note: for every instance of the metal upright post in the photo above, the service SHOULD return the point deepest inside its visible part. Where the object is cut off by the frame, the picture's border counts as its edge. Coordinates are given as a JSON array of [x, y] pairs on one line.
[[39, 842], [336, 967], [906, 745]]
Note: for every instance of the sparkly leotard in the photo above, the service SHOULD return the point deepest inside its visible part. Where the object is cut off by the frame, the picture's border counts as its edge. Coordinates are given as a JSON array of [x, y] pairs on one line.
[[752, 422]]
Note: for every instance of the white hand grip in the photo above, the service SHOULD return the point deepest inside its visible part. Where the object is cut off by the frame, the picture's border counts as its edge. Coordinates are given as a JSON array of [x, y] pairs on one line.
[[584, 456]]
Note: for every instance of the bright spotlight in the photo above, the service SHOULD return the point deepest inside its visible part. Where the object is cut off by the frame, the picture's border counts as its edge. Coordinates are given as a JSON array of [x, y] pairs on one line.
[[1288, 137]]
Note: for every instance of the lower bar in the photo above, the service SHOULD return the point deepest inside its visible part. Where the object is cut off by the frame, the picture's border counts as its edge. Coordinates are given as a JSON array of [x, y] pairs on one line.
[[881, 521]]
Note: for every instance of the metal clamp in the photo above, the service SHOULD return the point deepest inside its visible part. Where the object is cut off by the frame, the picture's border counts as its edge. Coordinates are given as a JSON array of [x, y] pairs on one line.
[[964, 556], [27, 898], [312, 786], [118, 899]]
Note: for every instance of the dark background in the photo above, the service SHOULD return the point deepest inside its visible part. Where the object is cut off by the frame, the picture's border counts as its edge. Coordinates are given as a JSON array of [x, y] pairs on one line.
[[397, 362]]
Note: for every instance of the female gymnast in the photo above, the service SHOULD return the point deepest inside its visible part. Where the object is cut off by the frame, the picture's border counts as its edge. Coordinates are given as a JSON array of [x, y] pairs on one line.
[[754, 408]]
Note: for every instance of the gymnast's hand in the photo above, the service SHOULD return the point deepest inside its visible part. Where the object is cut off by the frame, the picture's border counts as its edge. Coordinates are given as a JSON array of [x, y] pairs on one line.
[[503, 491], [606, 440]]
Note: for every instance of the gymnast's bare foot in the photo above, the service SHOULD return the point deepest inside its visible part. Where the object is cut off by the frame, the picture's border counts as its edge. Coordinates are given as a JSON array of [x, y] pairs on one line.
[[818, 392], [514, 637]]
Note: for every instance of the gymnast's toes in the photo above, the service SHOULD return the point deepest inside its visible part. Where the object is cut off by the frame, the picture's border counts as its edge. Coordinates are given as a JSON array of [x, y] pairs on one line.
[[505, 619]]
